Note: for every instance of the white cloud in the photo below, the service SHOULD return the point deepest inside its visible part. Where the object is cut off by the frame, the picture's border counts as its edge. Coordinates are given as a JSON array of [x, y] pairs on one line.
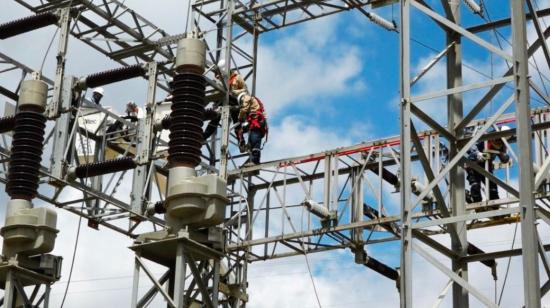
[[307, 67], [296, 136]]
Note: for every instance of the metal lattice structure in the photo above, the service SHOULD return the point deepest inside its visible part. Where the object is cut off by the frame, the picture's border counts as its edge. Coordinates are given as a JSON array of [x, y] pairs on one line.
[[427, 167]]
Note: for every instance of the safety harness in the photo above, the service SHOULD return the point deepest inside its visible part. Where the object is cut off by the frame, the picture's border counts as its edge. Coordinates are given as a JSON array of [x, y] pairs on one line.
[[258, 120]]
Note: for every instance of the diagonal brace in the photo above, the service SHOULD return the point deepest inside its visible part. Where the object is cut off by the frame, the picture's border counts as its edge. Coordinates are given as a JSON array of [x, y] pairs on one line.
[[198, 279], [155, 282], [476, 39], [456, 278], [491, 177], [429, 173], [466, 147]]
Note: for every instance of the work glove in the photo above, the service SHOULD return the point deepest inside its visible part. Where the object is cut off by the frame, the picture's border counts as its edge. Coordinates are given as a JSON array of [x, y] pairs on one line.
[[210, 113], [504, 158], [244, 126], [481, 157]]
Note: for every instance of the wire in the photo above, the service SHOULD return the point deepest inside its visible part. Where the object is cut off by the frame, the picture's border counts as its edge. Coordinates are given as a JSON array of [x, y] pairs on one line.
[[85, 149], [473, 68], [48, 50], [507, 266], [73, 259], [307, 262], [312, 281]]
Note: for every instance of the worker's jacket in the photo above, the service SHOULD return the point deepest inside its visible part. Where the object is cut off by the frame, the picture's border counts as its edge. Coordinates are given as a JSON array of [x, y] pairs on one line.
[[252, 109], [490, 149], [237, 84]]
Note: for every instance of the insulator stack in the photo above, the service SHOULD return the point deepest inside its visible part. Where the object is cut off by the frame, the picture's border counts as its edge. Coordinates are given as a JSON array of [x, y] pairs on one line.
[[473, 249], [114, 75], [165, 122], [104, 167], [186, 119], [28, 137], [191, 201], [27, 24], [26, 155], [159, 207], [474, 7], [7, 124], [9, 94], [386, 24], [382, 268], [387, 175]]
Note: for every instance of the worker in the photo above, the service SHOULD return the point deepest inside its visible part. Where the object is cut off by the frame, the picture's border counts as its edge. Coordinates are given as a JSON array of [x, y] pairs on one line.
[[237, 85], [252, 111], [97, 94], [213, 115], [485, 154], [133, 113], [236, 82]]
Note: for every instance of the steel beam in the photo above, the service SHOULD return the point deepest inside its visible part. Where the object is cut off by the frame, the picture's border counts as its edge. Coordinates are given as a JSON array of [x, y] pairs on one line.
[[531, 279]]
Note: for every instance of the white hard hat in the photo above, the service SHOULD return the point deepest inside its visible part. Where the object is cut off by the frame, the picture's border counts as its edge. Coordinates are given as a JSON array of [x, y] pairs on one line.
[[99, 90], [504, 127], [221, 65], [131, 106], [241, 97]]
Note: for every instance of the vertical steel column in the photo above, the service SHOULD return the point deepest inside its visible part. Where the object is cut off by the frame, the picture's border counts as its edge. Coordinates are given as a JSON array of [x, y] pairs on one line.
[[327, 181], [215, 282], [9, 290], [135, 284], [224, 155], [455, 113], [255, 56], [179, 276], [357, 213], [60, 154], [62, 98], [405, 279], [531, 279], [97, 181], [64, 24], [47, 295], [144, 141], [243, 281]]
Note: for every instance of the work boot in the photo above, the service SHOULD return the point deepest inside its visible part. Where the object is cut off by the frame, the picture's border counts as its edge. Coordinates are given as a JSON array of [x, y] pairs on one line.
[[248, 163], [242, 146]]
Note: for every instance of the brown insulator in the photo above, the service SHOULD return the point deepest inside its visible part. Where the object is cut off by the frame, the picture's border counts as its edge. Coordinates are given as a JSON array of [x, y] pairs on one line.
[[104, 167], [187, 118], [9, 94], [114, 75], [165, 122], [382, 268], [7, 124], [27, 24], [160, 207], [26, 155]]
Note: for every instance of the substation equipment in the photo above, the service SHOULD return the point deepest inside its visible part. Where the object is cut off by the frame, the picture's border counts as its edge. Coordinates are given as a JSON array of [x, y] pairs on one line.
[[193, 211]]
